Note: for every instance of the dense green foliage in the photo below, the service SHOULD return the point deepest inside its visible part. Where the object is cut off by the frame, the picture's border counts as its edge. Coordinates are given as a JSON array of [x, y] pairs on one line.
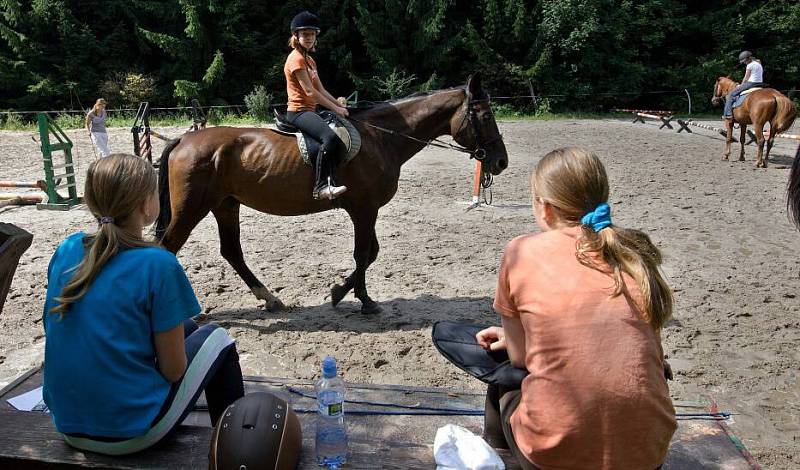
[[581, 54]]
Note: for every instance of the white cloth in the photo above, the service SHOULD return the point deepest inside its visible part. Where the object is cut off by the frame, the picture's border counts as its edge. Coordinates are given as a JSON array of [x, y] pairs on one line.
[[100, 140], [756, 72], [456, 448]]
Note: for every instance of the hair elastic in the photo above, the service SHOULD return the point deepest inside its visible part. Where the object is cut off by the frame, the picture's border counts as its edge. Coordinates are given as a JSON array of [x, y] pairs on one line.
[[599, 218], [106, 220]]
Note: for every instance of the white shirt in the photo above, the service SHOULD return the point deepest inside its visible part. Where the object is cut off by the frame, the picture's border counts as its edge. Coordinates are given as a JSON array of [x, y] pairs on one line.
[[756, 72]]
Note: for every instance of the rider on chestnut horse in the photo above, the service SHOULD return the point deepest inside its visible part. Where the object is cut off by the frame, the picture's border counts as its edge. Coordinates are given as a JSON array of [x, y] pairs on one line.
[[753, 77], [762, 106]]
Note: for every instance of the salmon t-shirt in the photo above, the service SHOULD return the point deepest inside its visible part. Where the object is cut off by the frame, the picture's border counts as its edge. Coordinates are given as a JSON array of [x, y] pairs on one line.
[[298, 99], [596, 396]]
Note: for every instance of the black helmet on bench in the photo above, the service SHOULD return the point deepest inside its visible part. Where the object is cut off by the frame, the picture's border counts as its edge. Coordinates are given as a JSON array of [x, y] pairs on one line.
[[258, 431], [305, 20]]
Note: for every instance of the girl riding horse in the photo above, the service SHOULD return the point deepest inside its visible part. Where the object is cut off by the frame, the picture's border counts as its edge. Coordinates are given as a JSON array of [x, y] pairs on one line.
[[305, 92], [766, 105]]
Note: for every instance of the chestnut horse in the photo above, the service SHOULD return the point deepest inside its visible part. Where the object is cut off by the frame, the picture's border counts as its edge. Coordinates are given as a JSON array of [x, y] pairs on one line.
[[217, 169], [759, 107]]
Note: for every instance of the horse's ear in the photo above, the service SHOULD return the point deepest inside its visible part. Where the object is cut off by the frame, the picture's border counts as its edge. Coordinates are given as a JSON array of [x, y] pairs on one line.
[[474, 84]]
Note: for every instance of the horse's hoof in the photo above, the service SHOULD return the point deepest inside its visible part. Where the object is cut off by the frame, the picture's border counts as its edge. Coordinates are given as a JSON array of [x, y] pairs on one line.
[[271, 303], [337, 294], [370, 307]]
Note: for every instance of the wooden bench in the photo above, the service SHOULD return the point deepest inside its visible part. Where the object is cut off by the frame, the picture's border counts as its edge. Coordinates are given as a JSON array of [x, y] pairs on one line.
[[13, 243], [29, 440]]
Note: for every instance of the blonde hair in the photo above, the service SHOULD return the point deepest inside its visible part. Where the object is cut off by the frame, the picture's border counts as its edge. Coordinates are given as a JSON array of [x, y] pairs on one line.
[[100, 101], [116, 186], [294, 43], [574, 182]]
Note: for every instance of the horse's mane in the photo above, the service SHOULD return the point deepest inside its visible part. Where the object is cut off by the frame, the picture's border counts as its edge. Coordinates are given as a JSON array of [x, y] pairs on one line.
[[368, 106]]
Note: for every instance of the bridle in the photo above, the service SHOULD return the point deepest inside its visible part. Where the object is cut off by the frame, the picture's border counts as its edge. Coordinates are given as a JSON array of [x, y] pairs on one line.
[[470, 116]]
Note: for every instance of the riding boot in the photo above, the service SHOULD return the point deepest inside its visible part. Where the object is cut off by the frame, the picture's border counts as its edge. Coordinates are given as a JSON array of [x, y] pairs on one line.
[[324, 187]]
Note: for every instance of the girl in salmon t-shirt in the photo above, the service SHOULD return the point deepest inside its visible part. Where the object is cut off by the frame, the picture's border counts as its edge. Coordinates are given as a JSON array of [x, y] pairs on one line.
[[305, 92], [582, 306]]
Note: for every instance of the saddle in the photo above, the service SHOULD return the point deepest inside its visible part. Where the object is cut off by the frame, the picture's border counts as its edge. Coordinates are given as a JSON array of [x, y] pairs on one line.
[[309, 147], [743, 95]]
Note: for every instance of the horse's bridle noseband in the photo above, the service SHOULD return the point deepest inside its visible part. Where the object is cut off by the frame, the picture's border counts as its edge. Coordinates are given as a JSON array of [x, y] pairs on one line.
[[471, 116]]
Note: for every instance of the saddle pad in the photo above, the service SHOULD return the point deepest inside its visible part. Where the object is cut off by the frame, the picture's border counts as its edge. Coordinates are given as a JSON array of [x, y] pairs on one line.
[[457, 343], [343, 128], [743, 96], [750, 90]]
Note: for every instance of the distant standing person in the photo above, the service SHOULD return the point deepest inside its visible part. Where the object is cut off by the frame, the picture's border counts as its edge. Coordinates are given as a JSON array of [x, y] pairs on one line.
[[96, 125], [753, 77]]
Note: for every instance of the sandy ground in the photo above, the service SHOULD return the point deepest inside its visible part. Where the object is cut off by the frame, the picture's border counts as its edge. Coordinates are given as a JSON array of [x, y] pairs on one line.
[[731, 255]]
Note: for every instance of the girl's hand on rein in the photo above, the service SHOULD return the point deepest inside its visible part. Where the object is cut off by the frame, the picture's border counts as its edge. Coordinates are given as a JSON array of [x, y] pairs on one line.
[[341, 111], [342, 101], [492, 338]]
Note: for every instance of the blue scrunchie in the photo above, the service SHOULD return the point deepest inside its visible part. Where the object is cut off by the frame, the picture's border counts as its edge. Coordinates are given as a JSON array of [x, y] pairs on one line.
[[598, 219]]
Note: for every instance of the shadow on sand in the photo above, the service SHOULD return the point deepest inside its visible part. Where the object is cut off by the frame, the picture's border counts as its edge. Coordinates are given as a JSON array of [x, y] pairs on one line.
[[398, 314]]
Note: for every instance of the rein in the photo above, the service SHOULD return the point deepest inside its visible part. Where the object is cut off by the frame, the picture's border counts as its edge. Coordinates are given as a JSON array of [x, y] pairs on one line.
[[479, 153]]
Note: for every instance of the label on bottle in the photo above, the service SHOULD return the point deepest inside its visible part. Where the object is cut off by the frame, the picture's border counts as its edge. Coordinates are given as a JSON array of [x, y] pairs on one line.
[[332, 409]]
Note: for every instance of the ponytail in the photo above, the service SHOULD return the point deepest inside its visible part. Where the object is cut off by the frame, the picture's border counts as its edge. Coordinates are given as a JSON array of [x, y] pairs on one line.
[[575, 183], [629, 252], [116, 186]]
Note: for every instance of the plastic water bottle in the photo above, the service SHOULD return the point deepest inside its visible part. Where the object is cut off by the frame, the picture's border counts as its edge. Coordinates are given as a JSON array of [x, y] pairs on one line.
[[331, 442]]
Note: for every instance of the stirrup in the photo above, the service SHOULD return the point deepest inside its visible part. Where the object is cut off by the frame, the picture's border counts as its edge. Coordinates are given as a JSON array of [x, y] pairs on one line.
[[329, 192]]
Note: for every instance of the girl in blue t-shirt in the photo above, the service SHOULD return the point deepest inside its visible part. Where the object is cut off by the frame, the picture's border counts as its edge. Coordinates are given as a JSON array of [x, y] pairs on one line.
[[124, 362]]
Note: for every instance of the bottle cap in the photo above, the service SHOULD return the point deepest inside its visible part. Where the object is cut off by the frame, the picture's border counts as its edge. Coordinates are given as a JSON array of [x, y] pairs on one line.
[[329, 367]]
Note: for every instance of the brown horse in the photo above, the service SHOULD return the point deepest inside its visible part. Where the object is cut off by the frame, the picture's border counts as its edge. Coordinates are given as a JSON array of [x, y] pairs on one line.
[[759, 107], [217, 169]]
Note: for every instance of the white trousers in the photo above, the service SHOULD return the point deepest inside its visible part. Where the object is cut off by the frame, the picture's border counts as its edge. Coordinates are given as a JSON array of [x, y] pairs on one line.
[[100, 140]]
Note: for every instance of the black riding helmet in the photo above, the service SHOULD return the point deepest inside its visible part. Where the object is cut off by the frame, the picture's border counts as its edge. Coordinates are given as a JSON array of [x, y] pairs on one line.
[[744, 56], [305, 20]]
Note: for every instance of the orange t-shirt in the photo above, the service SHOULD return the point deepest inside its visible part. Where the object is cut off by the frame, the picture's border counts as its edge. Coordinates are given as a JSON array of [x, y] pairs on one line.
[[596, 396], [298, 99]]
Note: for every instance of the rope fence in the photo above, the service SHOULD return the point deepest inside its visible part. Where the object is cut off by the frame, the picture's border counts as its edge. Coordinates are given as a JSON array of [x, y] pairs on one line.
[[241, 106]]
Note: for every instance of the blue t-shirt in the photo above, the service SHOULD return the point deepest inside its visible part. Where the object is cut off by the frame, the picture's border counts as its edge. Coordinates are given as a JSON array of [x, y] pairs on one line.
[[100, 372]]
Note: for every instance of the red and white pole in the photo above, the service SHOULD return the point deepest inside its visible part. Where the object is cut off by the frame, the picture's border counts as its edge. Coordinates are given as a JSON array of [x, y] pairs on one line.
[[476, 186]]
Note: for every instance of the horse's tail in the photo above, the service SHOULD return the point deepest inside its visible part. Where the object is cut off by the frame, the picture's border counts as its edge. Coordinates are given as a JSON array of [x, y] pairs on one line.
[[793, 191], [785, 113], [165, 215]]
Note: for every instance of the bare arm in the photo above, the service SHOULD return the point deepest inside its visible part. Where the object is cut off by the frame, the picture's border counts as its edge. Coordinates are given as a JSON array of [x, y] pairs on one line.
[[171, 353], [88, 121], [746, 76], [515, 341], [321, 96]]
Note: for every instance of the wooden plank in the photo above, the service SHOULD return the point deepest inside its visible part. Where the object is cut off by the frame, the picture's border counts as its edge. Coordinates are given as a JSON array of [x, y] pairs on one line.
[[13, 243], [28, 440]]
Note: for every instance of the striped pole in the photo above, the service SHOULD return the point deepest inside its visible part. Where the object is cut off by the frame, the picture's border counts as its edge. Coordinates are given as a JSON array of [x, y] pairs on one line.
[[753, 137], [649, 111], [21, 184], [689, 122], [665, 119]]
